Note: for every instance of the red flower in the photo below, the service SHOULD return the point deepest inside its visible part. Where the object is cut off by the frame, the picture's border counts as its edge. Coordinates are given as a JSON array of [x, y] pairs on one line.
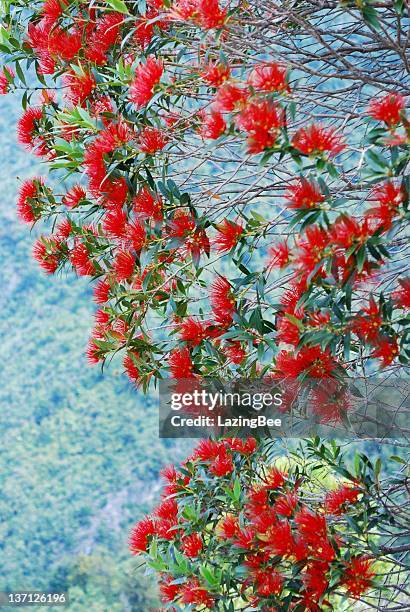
[[386, 349], [245, 538], [131, 368], [105, 34], [64, 229], [180, 363], [228, 527], [151, 140], [346, 231], [27, 127], [114, 136], [304, 194], [79, 87], [261, 120], [315, 579], [388, 194], [166, 529], [212, 125], [245, 447], [123, 265], [168, 510], [169, 473], [207, 450], [268, 582], [258, 501], [287, 331], [402, 295], [367, 324], [115, 222], [27, 203], [198, 243], [192, 545], [139, 535], [193, 331], [230, 97], [222, 465], [181, 225], [274, 478], [279, 255], [388, 109], [6, 77], [193, 593], [279, 539], [61, 44], [169, 592], [136, 233], [256, 560], [269, 77], [146, 206], [93, 352], [336, 501], [222, 300], [357, 577], [144, 30], [312, 526], [229, 234], [311, 249], [113, 193], [292, 295], [47, 252], [210, 14], [286, 504], [74, 196], [147, 76], [81, 261], [316, 139], [311, 361], [388, 197], [102, 291], [215, 73], [235, 352], [330, 408], [53, 9], [38, 39], [183, 9]]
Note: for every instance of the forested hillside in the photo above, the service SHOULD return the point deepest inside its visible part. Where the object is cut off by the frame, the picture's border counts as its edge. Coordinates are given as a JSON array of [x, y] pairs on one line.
[[80, 454]]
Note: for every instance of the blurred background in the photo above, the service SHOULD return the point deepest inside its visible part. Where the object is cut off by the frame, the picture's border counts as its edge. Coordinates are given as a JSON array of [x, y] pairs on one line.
[[80, 454]]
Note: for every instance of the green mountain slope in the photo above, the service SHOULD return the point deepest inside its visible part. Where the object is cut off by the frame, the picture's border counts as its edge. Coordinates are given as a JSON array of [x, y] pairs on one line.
[[79, 455]]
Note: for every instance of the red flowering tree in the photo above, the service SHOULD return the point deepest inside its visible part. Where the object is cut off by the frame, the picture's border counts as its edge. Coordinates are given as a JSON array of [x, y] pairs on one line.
[[231, 175], [300, 242], [236, 530]]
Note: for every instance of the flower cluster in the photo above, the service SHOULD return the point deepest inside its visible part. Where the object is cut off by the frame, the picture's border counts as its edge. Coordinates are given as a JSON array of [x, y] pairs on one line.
[[128, 108], [288, 548]]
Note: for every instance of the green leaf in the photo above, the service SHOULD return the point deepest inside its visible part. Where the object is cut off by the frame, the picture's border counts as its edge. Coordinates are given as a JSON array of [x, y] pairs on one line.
[[361, 258], [399, 6], [357, 464], [237, 490], [20, 73], [377, 467], [376, 160], [208, 574], [371, 17], [118, 5], [398, 459]]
